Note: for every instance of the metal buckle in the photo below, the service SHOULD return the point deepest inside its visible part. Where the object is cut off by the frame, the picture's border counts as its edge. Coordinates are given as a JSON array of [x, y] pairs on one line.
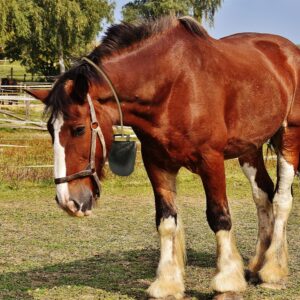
[[94, 125]]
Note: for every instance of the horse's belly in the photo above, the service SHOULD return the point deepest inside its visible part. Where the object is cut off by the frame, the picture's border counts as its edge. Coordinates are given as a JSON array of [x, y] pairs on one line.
[[250, 139], [237, 147], [254, 125]]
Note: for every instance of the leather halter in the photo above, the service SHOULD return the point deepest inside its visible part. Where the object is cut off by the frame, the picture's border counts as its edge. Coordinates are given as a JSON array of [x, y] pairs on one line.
[[90, 170]]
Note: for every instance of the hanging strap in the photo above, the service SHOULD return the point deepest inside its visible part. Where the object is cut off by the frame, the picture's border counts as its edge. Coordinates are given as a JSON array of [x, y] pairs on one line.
[[101, 71]]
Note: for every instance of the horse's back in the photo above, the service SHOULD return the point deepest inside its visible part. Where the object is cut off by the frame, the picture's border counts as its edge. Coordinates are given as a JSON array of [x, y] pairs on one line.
[[259, 78]]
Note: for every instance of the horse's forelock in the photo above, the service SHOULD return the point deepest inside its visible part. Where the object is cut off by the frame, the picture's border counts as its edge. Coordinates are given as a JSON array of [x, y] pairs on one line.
[[71, 88]]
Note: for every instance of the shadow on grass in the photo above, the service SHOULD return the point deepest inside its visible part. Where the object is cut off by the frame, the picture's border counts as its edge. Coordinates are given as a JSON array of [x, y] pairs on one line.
[[126, 273]]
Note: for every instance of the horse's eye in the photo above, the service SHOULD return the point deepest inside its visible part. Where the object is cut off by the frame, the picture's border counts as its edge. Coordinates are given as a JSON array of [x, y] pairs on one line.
[[78, 131]]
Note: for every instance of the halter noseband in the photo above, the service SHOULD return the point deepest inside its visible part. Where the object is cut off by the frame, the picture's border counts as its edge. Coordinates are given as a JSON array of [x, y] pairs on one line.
[[90, 170]]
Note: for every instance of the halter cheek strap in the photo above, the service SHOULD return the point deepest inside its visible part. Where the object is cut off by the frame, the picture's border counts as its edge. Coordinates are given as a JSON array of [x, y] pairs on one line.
[[90, 170]]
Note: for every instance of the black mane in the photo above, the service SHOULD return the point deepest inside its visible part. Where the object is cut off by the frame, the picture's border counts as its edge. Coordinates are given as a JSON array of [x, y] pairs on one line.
[[124, 35], [117, 37]]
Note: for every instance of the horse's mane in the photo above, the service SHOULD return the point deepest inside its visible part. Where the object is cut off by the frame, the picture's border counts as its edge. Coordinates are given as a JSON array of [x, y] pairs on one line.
[[124, 35], [117, 37]]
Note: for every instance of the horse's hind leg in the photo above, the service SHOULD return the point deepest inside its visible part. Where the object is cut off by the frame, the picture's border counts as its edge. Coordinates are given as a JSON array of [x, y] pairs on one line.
[[275, 267], [262, 190], [230, 273], [170, 271]]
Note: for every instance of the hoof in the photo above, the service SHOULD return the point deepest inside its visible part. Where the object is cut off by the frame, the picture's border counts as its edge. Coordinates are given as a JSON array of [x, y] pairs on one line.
[[274, 286], [161, 289], [228, 283], [228, 296], [273, 274], [252, 277]]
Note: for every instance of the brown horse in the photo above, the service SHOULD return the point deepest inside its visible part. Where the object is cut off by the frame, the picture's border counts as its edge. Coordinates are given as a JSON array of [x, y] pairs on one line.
[[193, 101]]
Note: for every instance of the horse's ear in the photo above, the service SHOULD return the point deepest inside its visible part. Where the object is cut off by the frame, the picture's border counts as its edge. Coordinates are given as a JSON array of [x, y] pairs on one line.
[[38, 94], [78, 88]]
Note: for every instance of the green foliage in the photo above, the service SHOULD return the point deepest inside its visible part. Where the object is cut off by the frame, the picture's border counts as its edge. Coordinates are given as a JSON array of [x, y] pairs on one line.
[[52, 30], [145, 9], [12, 19]]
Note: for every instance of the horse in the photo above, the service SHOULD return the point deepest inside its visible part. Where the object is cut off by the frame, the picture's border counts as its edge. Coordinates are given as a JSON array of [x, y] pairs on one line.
[[193, 101]]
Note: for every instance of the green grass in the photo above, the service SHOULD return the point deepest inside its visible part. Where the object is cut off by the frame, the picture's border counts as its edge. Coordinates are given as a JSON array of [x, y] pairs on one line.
[[45, 254], [18, 70]]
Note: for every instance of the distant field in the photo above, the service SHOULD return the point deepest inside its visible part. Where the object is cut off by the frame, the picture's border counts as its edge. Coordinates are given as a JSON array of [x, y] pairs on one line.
[[18, 70], [45, 254]]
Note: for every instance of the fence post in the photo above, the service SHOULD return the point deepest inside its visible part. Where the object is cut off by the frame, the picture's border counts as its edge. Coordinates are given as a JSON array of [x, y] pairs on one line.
[[24, 77], [27, 108], [11, 73]]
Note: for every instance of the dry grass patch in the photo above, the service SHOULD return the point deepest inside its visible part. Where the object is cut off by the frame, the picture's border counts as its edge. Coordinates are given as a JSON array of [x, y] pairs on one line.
[[45, 254]]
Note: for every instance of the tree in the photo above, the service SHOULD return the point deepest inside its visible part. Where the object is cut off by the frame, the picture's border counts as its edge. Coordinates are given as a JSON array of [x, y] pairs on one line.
[[150, 9], [12, 19], [58, 30]]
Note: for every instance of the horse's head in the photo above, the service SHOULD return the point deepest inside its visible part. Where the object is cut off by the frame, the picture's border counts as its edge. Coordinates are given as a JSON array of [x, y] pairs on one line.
[[81, 135]]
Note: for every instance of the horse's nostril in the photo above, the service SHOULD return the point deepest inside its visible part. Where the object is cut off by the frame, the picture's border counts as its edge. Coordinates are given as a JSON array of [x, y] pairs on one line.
[[77, 205], [87, 205]]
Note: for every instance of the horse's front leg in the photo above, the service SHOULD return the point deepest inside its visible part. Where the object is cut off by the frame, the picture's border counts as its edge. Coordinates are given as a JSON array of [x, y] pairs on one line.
[[230, 273], [170, 271]]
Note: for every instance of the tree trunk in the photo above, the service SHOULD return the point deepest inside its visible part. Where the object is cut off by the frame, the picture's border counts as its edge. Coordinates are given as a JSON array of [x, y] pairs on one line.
[[62, 67], [61, 62]]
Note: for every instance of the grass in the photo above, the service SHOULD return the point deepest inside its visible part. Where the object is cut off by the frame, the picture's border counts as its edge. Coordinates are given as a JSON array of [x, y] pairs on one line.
[[45, 254], [18, 69], [18, 72]]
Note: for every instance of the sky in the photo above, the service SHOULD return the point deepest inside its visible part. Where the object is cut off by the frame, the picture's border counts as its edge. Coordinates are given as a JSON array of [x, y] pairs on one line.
[[270, 16]]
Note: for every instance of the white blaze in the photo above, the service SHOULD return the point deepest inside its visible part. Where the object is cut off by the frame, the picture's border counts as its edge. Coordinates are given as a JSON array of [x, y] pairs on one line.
[[60, 169]]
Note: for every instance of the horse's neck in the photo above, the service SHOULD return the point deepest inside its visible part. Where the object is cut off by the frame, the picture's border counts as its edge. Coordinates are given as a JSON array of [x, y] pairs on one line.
[[142, 79]]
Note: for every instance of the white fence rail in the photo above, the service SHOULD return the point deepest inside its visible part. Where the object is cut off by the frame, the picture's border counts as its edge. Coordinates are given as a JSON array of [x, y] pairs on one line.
[[17, 107], [14, 96], [22, 87]]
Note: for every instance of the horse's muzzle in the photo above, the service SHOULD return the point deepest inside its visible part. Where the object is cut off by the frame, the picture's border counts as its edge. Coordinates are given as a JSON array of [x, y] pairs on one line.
[[78, 206]]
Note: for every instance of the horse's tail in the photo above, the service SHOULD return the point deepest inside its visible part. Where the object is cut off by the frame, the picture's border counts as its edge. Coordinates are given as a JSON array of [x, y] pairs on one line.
[[270, 150]]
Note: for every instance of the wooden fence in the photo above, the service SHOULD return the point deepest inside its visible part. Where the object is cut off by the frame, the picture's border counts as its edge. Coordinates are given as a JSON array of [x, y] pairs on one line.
[[18, 109]]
